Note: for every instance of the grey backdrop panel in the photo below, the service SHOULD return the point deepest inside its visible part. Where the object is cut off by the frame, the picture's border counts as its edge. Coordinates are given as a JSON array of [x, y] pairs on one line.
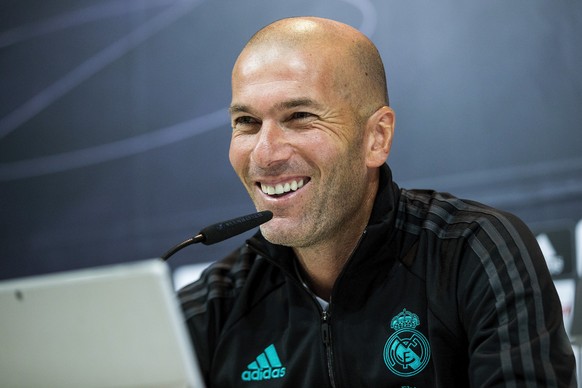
[[114, 130]]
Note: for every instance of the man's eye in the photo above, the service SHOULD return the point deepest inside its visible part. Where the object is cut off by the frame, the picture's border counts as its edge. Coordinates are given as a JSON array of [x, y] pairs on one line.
[[301, 115], [244, 120]]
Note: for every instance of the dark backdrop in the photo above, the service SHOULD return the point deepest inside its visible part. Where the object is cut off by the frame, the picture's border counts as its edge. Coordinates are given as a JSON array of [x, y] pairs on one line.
[[114, 131]]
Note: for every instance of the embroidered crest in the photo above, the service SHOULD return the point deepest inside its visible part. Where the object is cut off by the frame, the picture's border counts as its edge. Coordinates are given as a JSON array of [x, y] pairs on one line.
[[407, 351]]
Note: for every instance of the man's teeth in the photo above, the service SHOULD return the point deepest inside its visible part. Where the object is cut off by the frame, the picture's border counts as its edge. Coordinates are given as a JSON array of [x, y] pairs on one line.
[[281, 188]]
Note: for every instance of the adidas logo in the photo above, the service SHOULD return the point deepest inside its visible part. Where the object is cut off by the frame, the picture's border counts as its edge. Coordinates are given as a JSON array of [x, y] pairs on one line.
[[267, 366]]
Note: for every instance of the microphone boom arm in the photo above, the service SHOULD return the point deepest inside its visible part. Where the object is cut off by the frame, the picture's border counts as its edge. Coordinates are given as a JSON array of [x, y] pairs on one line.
[[223, 230], [193, 240]]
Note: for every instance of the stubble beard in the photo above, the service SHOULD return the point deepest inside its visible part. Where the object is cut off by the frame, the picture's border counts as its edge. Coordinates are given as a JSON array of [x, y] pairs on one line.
[[331, 212]]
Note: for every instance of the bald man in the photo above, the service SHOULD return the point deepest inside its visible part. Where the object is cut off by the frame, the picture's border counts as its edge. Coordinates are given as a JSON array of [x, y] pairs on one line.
[[356, 282]]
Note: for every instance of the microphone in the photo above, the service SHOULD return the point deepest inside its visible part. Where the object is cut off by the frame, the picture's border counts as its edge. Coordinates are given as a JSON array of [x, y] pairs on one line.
[[223, 230]]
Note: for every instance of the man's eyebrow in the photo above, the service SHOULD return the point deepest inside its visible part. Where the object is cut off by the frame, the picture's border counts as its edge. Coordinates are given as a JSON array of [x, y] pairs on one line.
[[298, 102], [287, 104], [237, 108]]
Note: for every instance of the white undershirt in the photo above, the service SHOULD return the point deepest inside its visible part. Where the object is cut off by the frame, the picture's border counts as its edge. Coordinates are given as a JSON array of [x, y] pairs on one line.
[[322, 302]]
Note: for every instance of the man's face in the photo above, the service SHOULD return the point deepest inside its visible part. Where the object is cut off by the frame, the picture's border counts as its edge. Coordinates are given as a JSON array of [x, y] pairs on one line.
[[296, 145]]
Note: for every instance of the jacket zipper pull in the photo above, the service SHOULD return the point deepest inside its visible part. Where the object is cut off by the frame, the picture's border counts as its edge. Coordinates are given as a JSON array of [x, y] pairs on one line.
[[325, 333], [326, 337]]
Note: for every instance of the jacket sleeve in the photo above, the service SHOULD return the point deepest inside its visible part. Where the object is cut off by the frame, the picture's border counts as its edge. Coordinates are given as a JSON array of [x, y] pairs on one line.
[[208, 302], [510, 309]]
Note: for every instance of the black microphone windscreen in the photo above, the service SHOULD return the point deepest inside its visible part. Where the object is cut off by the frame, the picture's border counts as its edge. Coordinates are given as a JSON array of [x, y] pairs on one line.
[[227, 229]]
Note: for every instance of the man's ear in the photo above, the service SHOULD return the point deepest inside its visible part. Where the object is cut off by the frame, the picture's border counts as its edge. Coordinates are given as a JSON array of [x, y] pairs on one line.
[[380, 130]]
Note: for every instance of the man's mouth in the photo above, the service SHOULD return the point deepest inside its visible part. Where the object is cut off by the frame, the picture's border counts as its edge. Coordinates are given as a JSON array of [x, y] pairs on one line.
[[283, 187]]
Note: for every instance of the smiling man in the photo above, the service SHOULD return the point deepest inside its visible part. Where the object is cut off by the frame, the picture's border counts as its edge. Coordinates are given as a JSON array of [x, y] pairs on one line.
[[307, 143], [356, 282]]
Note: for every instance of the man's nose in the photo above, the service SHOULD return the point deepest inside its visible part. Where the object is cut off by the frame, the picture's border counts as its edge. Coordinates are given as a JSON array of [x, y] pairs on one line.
[[272, 147]]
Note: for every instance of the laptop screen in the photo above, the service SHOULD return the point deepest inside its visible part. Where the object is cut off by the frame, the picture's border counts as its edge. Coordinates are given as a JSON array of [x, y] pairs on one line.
[[110, 326]]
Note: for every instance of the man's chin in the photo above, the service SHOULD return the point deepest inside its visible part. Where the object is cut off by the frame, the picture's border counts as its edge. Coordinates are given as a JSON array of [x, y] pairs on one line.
[[280, 236], [274, 237]]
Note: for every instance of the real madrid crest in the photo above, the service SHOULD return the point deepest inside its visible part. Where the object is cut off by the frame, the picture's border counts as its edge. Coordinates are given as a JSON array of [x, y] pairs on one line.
[[407, 351]]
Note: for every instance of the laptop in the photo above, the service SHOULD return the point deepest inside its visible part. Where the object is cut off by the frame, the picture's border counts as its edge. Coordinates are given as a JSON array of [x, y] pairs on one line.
[[111, 326]]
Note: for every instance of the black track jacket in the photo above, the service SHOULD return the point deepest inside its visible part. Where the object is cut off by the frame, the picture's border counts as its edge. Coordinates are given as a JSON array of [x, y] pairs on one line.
[[440, 292]]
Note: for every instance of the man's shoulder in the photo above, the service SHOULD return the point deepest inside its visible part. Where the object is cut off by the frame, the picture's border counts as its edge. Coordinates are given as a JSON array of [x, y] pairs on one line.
[[449, 216], [220, 281], [245, 275], [464, 234]]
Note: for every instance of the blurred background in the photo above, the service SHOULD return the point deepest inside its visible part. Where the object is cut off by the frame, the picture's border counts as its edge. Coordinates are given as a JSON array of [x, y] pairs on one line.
[[114, 129]]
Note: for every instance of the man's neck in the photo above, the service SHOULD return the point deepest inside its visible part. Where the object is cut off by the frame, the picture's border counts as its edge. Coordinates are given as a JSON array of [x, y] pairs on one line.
[[321, 265]]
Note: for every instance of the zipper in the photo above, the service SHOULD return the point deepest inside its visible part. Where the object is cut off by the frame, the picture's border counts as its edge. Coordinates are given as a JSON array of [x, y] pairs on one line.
[[325, 320], [325, 314], [326, 337], [325, 327]]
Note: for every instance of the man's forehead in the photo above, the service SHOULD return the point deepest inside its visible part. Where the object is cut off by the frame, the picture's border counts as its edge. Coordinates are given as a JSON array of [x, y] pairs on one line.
[[311, 66], [266, 59], [291, 57]]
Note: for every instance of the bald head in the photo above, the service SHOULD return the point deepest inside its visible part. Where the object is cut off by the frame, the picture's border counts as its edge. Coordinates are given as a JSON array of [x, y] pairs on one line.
[[303, 32], [358, 71]]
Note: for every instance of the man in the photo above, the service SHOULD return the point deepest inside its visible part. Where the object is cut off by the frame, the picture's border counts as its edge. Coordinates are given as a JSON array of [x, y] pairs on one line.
[[356, 282]]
